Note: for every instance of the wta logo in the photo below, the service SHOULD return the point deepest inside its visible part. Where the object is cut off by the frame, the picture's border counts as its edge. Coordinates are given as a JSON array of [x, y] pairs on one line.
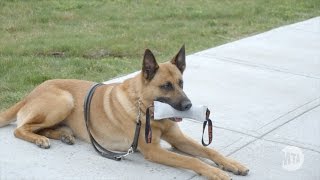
[[293, 158]]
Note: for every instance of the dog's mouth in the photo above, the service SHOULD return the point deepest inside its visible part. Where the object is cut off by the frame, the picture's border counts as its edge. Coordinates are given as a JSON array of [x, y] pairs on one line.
[[166, 100], [176, 119]]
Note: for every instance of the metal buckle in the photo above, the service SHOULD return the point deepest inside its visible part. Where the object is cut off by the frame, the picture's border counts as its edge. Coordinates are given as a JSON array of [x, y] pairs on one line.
[[130, 151]]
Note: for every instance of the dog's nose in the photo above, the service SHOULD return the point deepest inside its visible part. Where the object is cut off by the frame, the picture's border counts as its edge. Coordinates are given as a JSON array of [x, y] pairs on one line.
[[186, 105]]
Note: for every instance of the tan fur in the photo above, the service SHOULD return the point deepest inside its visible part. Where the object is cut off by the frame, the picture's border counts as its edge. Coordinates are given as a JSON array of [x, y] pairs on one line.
[[54, 110], [9, 115]]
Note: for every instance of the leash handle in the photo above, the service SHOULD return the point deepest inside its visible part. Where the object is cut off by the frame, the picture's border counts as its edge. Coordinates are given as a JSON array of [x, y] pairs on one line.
[[209, 122]]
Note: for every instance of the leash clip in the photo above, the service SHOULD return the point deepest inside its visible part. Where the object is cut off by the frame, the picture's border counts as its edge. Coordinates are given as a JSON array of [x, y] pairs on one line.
[[130, 151]]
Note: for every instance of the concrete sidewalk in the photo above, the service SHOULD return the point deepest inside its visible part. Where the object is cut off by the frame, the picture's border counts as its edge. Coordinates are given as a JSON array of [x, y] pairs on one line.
[[264, 92]]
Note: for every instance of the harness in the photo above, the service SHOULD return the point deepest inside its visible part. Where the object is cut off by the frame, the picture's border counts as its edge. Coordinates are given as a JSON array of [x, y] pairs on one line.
[[115, 155]]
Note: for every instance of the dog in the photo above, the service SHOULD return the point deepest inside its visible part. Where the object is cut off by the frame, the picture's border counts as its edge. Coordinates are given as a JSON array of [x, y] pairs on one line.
[[54, 110]]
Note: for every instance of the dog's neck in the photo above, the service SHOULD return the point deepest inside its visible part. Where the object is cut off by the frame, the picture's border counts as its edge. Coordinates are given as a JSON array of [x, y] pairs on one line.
[[134, 88]]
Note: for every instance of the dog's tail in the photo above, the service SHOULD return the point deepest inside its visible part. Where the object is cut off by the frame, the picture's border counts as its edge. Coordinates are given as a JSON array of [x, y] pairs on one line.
[[9, 115]]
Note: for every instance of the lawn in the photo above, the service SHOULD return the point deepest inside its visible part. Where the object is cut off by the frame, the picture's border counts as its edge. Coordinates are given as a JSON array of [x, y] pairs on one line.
[[97, 40]]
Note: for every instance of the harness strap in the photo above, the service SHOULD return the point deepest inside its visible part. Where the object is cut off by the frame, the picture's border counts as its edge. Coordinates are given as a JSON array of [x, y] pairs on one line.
[[101, 150]]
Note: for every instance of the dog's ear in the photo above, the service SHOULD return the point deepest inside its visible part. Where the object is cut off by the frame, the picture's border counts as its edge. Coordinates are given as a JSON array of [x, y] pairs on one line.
[[149, 66], [180, 60]]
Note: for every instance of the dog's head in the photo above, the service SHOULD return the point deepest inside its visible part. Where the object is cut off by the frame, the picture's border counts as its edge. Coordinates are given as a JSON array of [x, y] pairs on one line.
[[164, 82]]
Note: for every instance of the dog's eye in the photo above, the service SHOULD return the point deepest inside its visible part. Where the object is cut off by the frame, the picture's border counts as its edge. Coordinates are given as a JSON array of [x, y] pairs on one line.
[[181, 83], [167, 86]]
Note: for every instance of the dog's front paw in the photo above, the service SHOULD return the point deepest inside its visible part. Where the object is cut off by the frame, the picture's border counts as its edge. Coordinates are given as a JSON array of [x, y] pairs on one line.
[[216, 174], [43, 142], [222, 176], [234, 167]]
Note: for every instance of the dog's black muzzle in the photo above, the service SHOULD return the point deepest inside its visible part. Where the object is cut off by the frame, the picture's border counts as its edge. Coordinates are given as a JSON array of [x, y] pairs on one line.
[[183, 105]]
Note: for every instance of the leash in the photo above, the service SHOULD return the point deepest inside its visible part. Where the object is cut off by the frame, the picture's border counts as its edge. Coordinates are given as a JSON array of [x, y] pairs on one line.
[[208, 120], [101, 150], [148, 130]]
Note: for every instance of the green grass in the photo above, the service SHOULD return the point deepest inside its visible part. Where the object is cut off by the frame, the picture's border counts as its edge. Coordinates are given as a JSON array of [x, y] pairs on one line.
[[97, 40]]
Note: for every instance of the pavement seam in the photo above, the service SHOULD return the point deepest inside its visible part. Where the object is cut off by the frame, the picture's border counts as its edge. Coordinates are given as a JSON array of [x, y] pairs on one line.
[[235, 131], [258, 137], [284, 143], [289, 112], [261, 137], [192, 177], [258, 66]]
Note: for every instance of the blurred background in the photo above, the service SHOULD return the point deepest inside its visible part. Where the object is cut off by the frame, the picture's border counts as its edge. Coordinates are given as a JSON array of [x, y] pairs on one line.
[[96, 40]]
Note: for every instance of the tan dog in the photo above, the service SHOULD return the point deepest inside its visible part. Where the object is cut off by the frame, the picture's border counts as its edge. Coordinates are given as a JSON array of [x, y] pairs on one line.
[[55, 110]]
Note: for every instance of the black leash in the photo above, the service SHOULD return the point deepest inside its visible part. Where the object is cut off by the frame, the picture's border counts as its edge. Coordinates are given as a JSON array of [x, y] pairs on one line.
[[148, 130], [101, 150], [208, 120]]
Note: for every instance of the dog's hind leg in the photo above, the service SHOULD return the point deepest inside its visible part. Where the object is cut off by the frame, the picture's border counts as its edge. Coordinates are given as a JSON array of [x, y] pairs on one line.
[[61, 132], [26, 132], [44, 111]]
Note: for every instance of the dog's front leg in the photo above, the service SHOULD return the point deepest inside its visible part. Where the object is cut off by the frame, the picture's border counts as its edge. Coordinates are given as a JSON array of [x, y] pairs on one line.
[[153, 152], [176, 138]]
